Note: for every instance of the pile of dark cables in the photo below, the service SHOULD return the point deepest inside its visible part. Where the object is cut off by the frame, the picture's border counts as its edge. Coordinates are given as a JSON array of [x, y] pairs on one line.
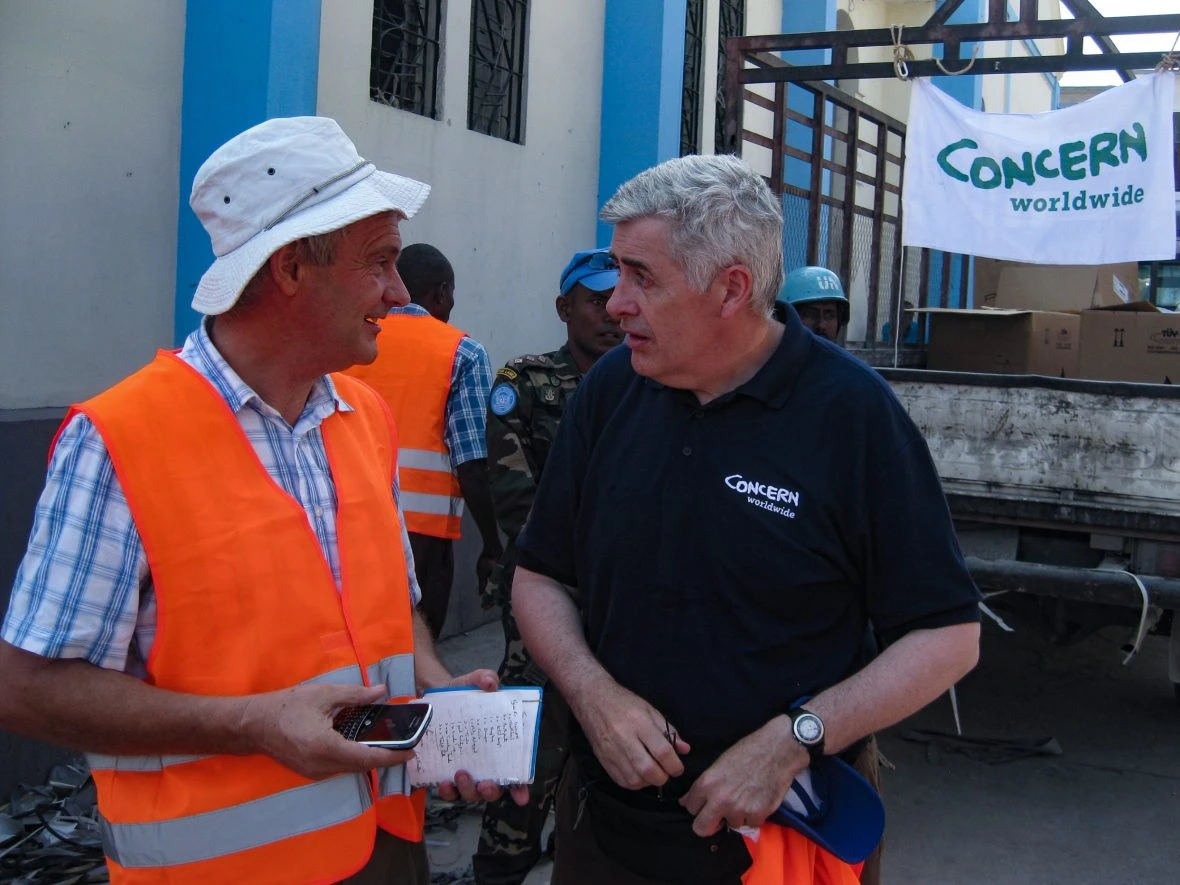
[[49, 833]]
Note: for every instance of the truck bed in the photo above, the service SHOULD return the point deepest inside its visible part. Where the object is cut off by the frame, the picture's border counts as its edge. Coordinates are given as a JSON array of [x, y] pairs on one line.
[[1052, 451]]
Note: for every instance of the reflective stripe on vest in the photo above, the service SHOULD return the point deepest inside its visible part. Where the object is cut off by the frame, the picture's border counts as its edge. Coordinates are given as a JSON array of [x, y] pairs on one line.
[[413, 499], [238, 828], [396, 672], [412, 372], [247, 604], [424, 459], [435, 505]]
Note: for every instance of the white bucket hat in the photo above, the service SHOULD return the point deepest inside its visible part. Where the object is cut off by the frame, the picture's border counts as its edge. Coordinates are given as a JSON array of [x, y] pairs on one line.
[[278, 182]]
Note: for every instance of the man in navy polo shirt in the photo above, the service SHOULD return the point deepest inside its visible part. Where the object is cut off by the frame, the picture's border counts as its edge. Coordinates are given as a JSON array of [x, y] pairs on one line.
[[734, 499]]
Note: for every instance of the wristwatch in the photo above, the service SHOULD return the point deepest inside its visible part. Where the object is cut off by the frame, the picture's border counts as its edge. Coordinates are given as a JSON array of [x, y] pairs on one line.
[[808, 730]]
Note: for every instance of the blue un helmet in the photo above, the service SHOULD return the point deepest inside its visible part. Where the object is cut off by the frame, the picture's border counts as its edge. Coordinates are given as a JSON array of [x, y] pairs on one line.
[[811, 284]]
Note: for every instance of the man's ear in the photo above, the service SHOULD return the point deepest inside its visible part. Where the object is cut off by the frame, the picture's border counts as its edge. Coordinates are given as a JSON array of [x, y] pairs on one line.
[[286, 269], [435, 296], [563, 305], [737, 288]]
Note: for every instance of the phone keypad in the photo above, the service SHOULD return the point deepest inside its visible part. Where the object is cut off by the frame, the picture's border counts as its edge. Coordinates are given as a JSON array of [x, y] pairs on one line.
[[351, 721]]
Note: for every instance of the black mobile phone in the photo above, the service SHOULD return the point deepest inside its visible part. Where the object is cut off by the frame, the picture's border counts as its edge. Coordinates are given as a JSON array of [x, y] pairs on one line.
[[393, 726]]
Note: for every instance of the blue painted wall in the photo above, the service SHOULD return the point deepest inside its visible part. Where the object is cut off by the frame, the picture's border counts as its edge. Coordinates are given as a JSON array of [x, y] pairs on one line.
[[245, 61], [804, 17], [642, 82]]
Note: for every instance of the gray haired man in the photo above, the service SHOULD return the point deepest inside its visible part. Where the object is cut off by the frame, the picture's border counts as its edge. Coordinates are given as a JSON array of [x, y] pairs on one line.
[[734, 499]]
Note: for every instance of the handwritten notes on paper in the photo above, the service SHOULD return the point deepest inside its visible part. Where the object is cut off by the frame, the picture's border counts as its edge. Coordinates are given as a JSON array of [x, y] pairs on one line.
[[492, 735]]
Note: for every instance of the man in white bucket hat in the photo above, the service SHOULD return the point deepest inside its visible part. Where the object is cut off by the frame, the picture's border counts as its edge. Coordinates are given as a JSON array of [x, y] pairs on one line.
[[218, 562]]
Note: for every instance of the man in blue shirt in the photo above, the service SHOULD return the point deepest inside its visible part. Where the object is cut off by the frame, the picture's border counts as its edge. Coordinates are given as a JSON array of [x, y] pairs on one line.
[[733, 499], [430, 280], [439, 395]]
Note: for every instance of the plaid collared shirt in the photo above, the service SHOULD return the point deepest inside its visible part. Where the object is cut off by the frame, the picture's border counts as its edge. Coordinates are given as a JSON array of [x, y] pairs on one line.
[[84, 589], [467, 406]]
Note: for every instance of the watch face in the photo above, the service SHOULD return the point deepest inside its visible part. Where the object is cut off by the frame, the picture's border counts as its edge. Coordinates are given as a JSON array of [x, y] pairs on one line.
[[808, 728]]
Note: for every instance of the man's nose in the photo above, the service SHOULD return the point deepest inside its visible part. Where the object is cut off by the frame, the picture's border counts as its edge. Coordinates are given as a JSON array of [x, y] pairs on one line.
[[619, 304], [396, 293]]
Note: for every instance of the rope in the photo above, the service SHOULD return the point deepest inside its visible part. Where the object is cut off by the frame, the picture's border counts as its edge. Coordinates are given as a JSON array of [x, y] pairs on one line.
[[1000, 622], [1170, 61], [1142, 631], [902, 56], [962, 70], [901, 53], [955, 710]]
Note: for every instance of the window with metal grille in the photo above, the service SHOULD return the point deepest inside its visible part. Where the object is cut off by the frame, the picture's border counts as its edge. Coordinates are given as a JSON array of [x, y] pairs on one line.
[[499, 44], [403, 72], [732, 24], [690, 100]]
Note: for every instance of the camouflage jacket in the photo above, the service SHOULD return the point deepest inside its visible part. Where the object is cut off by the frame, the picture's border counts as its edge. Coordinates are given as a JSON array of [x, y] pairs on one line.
[[527, 400]]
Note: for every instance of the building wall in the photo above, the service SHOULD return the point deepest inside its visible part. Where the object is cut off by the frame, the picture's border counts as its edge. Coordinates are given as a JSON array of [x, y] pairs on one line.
[[508, 216], [1023, 93], [89, 129], [891, 96]]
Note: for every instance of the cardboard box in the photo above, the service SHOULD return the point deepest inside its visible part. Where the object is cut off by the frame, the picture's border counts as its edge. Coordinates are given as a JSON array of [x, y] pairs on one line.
[[1137, 342], [1010, 342], [1061, 288], [986, 280]]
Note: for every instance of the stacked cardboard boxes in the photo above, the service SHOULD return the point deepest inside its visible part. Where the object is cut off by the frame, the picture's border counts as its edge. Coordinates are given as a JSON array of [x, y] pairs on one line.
[[1063, 321], [1133, 342], [1029, 319]]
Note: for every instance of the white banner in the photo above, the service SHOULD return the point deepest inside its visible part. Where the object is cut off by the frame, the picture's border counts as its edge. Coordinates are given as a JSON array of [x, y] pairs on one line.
[[1088, 184]]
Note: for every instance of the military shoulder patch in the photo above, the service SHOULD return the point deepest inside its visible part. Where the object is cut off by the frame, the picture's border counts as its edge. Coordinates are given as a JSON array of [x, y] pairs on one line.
[[507, 373], [530, 361], [503, 399]]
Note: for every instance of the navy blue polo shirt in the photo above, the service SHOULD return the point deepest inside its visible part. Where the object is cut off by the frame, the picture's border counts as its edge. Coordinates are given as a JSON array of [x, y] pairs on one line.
[[729, 556]]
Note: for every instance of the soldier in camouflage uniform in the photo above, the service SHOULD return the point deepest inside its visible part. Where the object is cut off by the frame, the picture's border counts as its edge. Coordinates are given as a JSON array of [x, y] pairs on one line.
[[528, 397]]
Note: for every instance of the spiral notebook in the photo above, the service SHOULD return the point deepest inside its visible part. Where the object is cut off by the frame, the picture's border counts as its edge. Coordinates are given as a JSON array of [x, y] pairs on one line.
[[492, 735]]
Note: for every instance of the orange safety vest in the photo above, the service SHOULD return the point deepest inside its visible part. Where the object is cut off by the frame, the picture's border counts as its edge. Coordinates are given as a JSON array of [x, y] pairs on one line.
[[783, 856], [246, 603], [415, 360]]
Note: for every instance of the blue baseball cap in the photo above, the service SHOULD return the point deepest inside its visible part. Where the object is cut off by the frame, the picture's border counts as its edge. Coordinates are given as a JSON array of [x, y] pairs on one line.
[[595, 269], [834, 806]]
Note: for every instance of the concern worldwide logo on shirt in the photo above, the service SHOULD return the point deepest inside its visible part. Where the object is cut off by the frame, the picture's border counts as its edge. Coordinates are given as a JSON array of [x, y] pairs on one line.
[[776, 499]]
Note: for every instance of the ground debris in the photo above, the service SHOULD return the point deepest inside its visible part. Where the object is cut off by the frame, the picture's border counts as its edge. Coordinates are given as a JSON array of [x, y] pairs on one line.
[[993, 751], [49, 833], [443, 814], [455, 877]]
